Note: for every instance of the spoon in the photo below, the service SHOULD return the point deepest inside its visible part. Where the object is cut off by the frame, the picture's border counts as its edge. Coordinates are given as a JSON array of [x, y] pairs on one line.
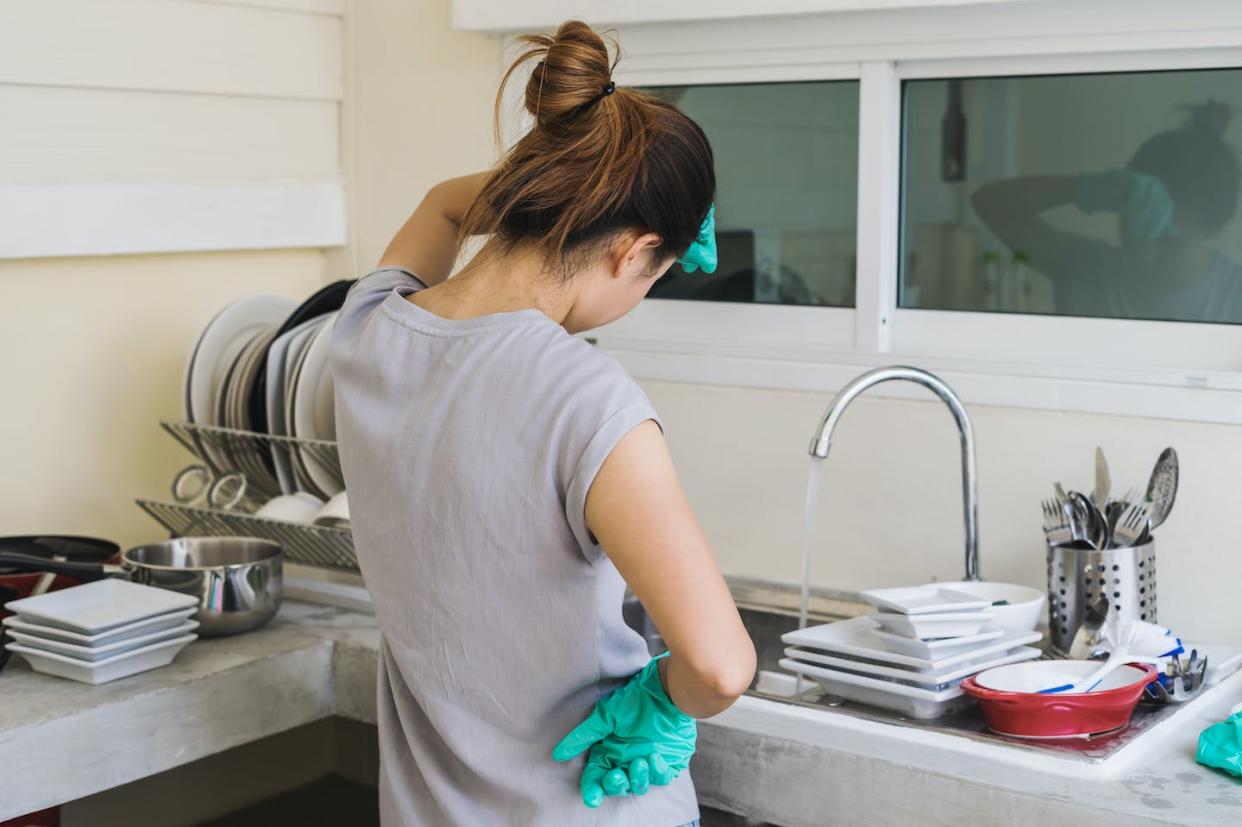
[[1115, 661], [1162, 488], [1094, 525]]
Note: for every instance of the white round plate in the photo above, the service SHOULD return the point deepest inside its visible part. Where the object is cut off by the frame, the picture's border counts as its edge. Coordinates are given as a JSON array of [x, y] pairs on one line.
[[220, 345], [221, 452], [293, 359], [278, 364], [312, 414]]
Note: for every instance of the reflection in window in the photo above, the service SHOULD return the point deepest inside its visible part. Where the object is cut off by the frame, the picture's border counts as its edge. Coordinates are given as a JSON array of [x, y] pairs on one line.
[[1110, 195], [787, 181]]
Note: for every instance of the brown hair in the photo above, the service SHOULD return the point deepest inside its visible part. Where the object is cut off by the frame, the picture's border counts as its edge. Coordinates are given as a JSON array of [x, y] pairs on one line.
[[599, 159], [1196, 164]]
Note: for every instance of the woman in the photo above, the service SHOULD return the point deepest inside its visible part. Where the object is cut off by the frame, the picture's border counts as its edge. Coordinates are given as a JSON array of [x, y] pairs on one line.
[[1174, 196], [507, 480]]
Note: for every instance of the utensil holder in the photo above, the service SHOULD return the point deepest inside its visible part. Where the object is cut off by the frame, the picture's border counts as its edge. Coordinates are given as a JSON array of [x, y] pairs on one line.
[[1078, 576]]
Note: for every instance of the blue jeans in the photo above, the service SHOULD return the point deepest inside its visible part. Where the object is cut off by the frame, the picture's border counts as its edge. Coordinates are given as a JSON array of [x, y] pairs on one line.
[[694, 823]]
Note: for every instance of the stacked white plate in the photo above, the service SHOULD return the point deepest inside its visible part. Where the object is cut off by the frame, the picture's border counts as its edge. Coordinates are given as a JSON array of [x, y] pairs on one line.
[[909, 657], [101, 631], [248, 339]]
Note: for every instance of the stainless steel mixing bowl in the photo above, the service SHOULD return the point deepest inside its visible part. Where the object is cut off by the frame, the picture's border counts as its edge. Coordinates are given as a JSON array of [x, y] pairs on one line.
[[238, 580]]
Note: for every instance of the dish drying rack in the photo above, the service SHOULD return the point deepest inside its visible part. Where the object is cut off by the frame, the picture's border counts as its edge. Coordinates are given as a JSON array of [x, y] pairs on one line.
[[225, 451]]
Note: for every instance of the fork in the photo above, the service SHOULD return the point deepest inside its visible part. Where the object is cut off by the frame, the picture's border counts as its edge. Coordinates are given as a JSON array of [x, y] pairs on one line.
[[1056, 527], [1130, 525]]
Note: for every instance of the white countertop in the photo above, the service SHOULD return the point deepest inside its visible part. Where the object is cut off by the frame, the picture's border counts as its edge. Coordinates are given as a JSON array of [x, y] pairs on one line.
[[61, 740]]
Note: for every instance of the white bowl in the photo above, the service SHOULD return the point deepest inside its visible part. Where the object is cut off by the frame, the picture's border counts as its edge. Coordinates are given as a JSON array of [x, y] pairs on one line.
[[1039, 675], [298, 507], [335, 512], [1022, 612]]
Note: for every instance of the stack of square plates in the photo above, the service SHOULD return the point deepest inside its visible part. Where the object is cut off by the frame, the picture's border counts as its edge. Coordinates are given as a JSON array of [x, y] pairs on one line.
[[101, 631], [911, 655]]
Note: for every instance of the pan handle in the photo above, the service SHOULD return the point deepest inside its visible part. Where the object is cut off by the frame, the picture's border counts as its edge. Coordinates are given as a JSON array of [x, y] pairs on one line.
[[82, 571]]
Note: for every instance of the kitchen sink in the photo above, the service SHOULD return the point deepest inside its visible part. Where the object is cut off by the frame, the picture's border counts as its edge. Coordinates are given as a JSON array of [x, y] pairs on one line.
[[770, 610]]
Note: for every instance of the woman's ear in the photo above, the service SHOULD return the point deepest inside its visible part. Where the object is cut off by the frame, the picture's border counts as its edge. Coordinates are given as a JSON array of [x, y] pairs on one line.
[[634, 253]]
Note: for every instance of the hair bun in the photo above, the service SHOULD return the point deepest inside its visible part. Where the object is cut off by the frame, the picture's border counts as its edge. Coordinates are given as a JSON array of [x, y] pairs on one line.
[[574, 69], [1211, 118]]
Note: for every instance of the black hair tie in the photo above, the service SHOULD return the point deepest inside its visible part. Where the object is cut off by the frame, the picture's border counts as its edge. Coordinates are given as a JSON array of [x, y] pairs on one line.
[[608, 90]]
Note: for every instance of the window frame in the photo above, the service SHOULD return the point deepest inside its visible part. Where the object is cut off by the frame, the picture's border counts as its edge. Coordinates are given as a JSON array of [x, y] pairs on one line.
[[730, 326], [1180, 370]]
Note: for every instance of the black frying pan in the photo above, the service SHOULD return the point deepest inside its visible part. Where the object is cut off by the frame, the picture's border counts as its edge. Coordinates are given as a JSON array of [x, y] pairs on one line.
[[51, 546]]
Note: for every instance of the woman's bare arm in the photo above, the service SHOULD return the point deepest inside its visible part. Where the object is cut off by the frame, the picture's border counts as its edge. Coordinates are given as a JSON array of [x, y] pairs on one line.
[[1012, 208], [637, 510], [426, 243]]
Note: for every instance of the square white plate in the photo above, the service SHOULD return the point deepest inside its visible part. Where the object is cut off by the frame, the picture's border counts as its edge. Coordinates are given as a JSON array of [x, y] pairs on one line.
[[937, 647], [97, 607], [930, 599], [934, 680], [108, 669], [923, 627], [129, 630], [918, 703], [94, 653], [856, 639]]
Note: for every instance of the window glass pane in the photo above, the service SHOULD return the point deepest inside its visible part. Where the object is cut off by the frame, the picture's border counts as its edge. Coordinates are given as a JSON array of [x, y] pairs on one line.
[[1109, 195], [787, 181]]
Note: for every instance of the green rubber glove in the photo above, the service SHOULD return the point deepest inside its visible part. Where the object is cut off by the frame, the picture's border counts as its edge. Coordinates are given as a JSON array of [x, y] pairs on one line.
[[634, 737], [1142, 201], [702, 251], [1220, 745]]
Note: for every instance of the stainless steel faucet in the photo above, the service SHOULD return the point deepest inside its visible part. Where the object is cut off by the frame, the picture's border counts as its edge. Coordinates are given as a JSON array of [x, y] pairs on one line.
[[970, 483]]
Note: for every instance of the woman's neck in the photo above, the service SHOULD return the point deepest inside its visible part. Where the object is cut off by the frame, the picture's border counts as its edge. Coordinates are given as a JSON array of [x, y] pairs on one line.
[[493, 282]]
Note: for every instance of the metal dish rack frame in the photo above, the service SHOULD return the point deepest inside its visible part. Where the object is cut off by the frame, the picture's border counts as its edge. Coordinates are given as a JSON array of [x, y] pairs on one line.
[[227, 451]]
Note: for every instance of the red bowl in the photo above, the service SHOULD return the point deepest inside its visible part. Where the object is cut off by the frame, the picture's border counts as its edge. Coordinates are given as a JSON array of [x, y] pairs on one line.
[[1032, 715]]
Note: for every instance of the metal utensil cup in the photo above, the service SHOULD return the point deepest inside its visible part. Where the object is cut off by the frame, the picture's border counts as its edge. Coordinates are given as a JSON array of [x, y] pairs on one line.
[[1078, 576]]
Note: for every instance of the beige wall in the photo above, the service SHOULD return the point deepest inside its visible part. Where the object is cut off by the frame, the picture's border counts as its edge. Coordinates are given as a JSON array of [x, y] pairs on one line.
[[93, 351], [94, 348], [889, 507], [418, 111]]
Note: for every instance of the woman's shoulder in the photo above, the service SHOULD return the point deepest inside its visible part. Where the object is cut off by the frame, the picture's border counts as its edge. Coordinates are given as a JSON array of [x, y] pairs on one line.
[[584, 378]]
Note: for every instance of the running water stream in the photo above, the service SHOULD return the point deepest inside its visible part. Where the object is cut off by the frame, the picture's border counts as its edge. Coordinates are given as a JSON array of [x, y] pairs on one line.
[[808, 528]]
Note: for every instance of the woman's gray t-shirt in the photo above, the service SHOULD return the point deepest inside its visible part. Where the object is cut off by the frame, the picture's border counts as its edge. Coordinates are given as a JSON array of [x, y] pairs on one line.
[[468, 447]]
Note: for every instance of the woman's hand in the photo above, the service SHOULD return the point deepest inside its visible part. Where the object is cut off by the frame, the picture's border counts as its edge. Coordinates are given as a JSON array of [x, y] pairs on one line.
[[636, 737], [426, 244]]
